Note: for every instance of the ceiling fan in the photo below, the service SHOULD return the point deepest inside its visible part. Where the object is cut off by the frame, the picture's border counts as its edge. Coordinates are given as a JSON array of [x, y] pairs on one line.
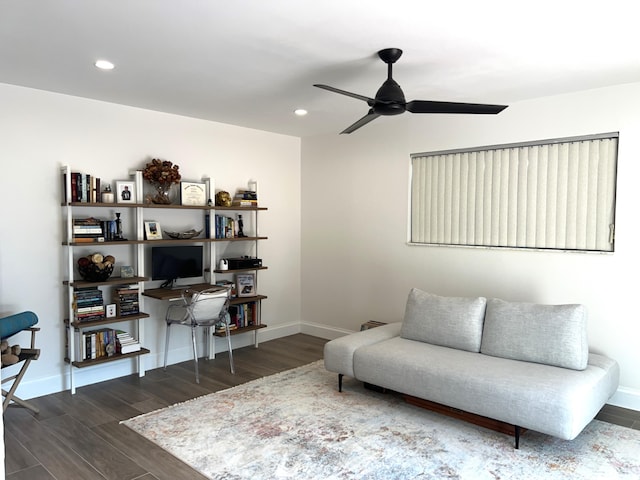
[[389, 99]]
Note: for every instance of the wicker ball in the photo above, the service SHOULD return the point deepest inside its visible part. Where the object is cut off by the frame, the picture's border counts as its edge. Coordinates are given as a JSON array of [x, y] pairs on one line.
[[97, 270]]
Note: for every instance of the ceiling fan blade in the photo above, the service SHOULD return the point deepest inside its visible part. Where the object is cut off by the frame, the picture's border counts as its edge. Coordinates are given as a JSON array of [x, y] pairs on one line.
[[370, 101], [426, 106], [363, 121]]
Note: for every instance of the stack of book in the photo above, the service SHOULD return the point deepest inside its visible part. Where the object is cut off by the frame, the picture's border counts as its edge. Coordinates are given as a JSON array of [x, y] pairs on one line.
[[126, 343], [220, 328], [126, 299], [88, 230], [88, 304], [245, 198]]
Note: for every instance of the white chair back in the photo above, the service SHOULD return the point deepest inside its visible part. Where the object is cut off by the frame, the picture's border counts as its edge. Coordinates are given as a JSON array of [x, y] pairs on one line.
[[209, 307]]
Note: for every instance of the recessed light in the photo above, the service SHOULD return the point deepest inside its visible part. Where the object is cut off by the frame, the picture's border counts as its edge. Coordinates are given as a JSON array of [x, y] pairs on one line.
[[301, 112], [104, 65]]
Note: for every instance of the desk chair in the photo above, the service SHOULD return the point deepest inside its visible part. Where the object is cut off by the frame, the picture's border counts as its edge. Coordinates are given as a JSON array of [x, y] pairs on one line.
[[207, 308], [10, 326]]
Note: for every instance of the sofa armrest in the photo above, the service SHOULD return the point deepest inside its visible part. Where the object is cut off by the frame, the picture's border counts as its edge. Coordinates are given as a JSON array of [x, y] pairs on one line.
[[338, 353]]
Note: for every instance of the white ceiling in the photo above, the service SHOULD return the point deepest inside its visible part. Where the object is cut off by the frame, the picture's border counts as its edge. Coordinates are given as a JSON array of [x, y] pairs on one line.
[[252, 62]]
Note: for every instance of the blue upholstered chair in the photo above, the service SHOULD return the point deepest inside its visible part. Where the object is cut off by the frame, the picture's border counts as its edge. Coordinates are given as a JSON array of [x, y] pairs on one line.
[[9, 326]]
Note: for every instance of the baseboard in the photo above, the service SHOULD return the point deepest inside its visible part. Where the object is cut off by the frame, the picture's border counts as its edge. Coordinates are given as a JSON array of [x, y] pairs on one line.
[[323, 331], [626, 398]]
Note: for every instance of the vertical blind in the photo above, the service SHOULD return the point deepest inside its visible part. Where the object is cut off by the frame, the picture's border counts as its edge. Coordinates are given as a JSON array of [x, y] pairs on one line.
[[558, 194]]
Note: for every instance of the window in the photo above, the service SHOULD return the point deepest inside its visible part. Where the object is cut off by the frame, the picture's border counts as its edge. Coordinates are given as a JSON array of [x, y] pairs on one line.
[[554, 194]]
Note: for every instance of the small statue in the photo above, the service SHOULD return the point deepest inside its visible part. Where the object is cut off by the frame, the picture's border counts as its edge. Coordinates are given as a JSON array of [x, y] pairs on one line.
[[223, 199], [118, 234], [240, 226]]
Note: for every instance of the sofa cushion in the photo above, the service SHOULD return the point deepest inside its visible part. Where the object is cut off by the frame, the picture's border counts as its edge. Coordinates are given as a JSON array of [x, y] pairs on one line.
[[549, 334], [454, 322]]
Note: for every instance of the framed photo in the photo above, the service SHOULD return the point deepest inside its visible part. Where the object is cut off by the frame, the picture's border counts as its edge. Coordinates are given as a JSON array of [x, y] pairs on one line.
[[126, 271], [152, 231], [125, 192], [193, 193], [246, 284]]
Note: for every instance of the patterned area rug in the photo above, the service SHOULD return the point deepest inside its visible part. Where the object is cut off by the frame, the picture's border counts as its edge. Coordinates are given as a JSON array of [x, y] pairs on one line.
[[296, 425]]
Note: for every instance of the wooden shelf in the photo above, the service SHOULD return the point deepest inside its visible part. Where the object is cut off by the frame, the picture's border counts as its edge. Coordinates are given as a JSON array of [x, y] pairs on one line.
[[238, 239], [111, 242], [236, 208], [241, 300], [239, 270], [105, 321], [108, 281], [165, 241], [155, 205], [237, 331], [96, 361]]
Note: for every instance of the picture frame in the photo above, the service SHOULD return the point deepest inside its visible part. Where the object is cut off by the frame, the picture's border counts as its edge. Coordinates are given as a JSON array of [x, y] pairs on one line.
[[126, 271], [152, 230], [193, 193], [246, 284], [125, 191]]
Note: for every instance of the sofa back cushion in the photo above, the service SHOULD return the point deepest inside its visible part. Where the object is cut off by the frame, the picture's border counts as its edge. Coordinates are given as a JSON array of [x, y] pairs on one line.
[[454, 322], [549, 334]]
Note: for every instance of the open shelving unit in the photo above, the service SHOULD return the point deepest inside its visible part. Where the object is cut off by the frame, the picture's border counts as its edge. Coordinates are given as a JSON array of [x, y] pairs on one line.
[[137, 245]]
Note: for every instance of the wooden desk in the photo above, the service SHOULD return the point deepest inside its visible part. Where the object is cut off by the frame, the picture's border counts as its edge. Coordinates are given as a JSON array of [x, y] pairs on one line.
[[175, 293], [172, 294]]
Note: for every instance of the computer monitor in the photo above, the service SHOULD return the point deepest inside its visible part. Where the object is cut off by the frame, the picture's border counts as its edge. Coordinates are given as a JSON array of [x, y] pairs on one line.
[[171, 263]]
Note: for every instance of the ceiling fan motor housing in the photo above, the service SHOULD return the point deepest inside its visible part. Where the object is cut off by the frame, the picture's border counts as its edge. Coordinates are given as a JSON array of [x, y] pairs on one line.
[[389, 99]]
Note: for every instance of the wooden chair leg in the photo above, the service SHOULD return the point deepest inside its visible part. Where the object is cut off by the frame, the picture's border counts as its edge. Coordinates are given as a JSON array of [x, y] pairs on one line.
[[9, 396]]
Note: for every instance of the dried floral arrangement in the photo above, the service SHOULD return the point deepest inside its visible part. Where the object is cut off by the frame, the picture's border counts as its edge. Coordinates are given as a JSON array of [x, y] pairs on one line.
[[161, 172]]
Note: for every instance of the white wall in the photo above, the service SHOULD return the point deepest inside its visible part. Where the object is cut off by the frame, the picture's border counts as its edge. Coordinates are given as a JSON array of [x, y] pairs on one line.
[[40, 132], [348, 225], [357, 266]]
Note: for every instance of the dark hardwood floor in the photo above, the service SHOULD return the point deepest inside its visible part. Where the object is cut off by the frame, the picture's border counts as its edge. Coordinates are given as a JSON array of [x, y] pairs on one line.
[[79, 436]]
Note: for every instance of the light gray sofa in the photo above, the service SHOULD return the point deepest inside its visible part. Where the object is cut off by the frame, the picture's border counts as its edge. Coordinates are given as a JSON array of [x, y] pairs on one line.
[[524, 364]]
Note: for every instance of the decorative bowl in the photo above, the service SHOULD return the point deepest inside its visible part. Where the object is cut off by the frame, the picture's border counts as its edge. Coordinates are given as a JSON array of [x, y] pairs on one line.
[[92, 272], [184, 235]]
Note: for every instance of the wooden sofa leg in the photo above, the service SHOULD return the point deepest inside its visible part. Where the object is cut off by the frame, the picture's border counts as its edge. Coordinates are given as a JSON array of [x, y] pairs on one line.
[[517, 435], [340, 382]]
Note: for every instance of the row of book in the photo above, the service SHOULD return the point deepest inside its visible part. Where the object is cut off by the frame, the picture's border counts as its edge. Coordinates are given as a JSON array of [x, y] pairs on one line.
[[225, 227], [104, 342], [88, 304], [245, 198], [85, 188], [244, 315]]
